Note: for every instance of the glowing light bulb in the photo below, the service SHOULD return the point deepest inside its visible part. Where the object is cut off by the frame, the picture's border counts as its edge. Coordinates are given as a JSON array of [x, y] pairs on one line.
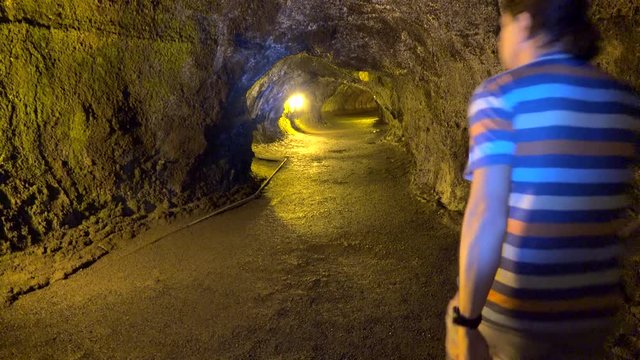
[[296, 102]]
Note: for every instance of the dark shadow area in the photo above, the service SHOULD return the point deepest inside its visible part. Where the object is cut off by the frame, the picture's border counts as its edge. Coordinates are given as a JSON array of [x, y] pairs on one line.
[[350, 100]]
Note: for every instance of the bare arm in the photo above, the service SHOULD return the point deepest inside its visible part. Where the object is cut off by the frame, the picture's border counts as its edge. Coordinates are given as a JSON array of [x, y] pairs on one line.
[[483, 232]]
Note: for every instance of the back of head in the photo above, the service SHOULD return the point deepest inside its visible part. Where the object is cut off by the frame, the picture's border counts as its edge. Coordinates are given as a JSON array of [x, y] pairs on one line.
[[562, 22]]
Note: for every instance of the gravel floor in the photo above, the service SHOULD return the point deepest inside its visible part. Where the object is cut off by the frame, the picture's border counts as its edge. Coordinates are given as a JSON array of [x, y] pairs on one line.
[[337, 261]]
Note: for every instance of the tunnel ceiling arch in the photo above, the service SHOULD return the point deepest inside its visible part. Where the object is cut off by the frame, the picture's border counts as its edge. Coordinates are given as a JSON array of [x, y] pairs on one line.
[[431, 54]]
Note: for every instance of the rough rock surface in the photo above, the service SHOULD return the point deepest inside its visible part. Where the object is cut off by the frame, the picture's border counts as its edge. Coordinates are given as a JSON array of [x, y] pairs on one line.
[[113, 108], [347, 99], [108, 110]]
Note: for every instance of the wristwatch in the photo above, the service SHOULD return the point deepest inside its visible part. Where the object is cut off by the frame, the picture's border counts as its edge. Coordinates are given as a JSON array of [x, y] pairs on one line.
[[460, 320]]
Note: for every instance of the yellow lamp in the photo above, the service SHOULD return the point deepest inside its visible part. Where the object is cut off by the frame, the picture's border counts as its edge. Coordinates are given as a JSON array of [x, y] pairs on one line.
[[296, 102]]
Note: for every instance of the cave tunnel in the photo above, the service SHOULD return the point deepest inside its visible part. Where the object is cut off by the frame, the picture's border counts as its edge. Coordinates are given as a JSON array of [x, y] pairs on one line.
[[351, 100], [274, 179], [303, 94]]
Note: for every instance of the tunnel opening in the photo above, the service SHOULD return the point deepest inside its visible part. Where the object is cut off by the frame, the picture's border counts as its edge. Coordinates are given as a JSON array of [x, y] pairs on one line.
[[302, 94], [351, 100], [352, 103], [306, 106]]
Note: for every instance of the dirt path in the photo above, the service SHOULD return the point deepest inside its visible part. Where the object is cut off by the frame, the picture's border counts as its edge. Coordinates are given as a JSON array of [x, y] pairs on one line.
[[336, 261]]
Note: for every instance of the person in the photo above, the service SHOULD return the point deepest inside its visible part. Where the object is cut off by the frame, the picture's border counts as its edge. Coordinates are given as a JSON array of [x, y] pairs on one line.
[[552, 142]]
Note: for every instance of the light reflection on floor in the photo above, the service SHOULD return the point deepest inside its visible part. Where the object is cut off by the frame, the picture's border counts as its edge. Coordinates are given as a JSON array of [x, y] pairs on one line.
[[325, 159]]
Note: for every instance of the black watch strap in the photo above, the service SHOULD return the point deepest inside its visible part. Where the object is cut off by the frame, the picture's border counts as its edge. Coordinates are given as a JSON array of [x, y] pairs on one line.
[[460, 320]]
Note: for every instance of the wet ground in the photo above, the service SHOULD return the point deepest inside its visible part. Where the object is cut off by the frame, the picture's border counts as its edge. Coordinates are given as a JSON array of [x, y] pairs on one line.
[[336, 261]]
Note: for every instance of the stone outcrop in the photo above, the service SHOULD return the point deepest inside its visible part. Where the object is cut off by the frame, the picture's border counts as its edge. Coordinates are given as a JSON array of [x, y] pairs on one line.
[[101, 105], [109, 111]]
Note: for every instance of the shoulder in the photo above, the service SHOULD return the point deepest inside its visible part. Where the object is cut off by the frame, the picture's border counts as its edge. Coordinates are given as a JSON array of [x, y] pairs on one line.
[[546, 77], [506, 81], [494, 86], [490, 94]]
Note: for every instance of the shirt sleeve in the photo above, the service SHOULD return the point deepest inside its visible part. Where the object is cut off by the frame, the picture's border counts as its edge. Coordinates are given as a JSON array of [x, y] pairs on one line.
[[491, 140]]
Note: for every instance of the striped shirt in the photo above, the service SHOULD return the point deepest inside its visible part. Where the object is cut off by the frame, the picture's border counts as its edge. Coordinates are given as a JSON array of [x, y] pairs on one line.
[[569, 133]]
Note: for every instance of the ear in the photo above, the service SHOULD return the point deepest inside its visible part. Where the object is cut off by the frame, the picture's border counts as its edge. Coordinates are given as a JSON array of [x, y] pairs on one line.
[[524, 22]]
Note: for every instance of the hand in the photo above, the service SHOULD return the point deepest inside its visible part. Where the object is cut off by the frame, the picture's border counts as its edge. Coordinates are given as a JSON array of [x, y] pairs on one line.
[[463, 343], [471, 345], [451, 340]]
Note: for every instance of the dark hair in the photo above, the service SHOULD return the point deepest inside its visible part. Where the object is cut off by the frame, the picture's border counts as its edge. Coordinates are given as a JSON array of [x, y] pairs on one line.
[[564, 22]]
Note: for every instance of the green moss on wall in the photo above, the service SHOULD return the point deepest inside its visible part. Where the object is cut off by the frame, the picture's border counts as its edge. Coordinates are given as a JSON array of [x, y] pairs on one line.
[[102, 104]]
